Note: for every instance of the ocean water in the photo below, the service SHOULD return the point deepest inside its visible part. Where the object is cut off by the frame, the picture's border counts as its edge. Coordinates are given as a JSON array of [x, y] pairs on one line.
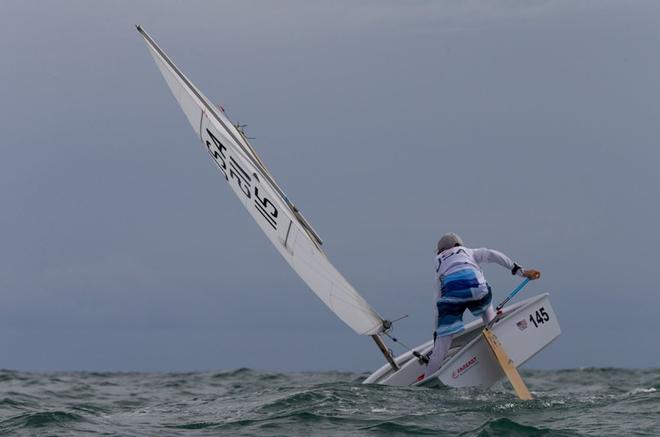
[[588, 402]]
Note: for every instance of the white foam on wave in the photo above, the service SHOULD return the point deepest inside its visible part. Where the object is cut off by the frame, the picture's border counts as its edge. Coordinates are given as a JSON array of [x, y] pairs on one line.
[[643, 390]]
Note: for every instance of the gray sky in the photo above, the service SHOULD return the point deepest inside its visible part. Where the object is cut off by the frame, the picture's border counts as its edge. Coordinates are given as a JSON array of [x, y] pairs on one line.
[[528, 127]]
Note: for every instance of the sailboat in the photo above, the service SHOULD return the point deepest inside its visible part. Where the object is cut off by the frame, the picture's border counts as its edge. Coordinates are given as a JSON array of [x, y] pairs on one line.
[[469, 363]]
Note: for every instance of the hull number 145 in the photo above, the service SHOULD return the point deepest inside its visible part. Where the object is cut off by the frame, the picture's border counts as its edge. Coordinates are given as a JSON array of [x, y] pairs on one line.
[[539, 317]]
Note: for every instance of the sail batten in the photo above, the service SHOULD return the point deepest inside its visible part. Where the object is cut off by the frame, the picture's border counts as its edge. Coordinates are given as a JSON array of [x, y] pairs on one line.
[[283, 224]]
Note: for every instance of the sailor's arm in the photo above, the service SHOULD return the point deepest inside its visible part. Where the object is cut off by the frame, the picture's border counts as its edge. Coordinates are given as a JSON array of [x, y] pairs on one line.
[[484, 255]]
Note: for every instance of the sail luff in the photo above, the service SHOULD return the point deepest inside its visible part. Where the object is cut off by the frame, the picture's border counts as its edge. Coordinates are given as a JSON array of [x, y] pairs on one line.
[[266, 202], [203, 101], [245, 147]]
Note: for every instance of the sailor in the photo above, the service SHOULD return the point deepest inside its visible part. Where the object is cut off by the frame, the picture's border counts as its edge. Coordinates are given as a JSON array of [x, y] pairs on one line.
[[461, 285]]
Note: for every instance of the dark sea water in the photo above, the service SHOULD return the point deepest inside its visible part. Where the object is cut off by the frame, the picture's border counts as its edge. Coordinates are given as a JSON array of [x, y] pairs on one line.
[[593, 402]]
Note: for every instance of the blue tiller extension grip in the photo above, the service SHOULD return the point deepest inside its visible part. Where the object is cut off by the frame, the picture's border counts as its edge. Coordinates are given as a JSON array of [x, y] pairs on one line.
[[513, 293]]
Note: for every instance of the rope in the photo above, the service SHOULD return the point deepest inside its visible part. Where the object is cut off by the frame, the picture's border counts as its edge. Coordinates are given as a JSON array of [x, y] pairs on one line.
[[416, 354]]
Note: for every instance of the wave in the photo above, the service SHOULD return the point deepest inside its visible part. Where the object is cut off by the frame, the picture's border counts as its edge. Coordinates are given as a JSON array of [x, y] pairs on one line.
[[394, 427], [40, 419], [510, 428], [250, 402]]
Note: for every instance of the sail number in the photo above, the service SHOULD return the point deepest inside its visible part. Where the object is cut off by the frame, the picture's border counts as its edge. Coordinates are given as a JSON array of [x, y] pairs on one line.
[[232, 170], [539, 317]]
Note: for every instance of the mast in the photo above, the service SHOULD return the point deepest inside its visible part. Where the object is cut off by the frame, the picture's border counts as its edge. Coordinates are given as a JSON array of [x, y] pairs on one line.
[[279, 219], [383, 348]]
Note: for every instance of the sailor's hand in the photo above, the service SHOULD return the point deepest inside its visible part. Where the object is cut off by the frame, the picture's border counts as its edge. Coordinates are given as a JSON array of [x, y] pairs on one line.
[[531, 274]]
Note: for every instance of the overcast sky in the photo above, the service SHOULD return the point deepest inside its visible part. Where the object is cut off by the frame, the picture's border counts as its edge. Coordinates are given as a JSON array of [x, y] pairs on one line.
[[531, 127]]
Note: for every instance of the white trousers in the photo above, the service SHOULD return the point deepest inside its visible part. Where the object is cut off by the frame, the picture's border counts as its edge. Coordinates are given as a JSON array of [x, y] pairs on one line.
[[441, 344]]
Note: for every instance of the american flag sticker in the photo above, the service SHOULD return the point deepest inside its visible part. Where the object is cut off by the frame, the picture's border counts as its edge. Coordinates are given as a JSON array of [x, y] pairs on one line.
[[522, 325]]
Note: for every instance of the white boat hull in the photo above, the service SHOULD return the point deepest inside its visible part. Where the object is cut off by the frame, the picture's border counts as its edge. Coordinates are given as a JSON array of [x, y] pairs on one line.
[[524, 330]]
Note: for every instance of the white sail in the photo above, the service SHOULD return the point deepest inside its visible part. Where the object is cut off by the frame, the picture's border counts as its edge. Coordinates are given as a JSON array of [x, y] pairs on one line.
[[277, 217]]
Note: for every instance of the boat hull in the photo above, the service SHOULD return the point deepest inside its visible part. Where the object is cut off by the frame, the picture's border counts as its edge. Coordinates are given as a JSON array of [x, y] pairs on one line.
[[524, 329]]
